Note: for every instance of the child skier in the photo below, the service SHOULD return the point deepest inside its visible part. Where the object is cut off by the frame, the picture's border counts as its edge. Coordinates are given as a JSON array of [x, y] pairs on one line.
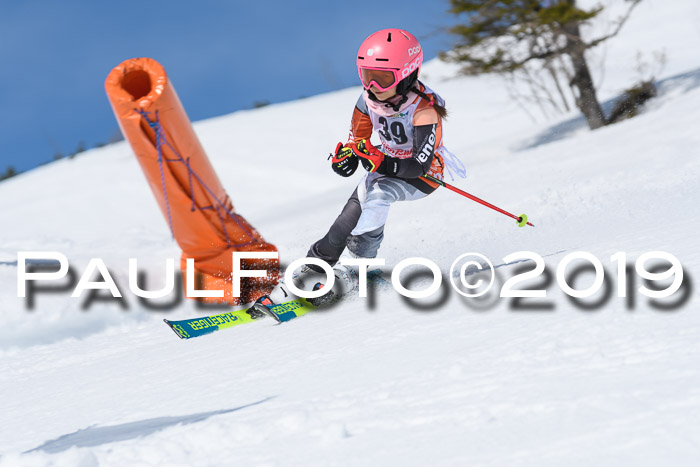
[[407, 115]]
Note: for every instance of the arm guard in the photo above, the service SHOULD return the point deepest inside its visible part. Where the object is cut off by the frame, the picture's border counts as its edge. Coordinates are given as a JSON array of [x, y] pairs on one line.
[[423, 153]]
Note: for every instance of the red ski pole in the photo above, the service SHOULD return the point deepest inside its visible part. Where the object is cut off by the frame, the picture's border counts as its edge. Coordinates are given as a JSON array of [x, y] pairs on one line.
[[521, 220]]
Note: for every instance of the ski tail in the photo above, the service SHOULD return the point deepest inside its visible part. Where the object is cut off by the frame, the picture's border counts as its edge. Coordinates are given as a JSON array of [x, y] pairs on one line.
[[195, 327]]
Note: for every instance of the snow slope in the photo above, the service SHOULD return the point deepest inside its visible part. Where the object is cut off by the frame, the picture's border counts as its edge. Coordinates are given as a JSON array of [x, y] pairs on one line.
[[378, 383]]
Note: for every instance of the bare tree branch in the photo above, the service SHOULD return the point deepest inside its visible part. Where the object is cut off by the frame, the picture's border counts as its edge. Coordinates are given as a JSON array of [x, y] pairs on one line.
[[517, 98], [555, 77], [621, 23]]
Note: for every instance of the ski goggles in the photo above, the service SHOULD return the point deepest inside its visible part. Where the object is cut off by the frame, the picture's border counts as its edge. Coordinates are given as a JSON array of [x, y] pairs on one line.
[[382, 78]]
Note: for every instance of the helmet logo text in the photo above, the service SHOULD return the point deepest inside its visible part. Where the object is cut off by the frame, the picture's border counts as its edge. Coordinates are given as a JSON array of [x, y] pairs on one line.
[[412, 67]]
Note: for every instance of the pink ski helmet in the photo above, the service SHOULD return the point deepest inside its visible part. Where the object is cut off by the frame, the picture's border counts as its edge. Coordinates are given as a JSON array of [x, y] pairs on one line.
[[387, 57]]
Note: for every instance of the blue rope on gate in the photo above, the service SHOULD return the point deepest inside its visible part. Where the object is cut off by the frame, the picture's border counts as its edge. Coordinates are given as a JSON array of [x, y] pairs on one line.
[[159, 134], [161, 141], [189, 180], [223, 225]]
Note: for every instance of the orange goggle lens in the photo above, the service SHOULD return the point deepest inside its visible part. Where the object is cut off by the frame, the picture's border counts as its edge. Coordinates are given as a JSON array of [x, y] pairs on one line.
[[383, 78]]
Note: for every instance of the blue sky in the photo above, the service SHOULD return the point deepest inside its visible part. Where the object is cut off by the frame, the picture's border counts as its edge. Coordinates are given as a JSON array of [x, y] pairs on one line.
[[222, 56]]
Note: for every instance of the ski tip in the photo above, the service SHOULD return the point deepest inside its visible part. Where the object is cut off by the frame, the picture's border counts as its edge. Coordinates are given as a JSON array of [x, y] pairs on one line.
[[271, 314], [263, 306]]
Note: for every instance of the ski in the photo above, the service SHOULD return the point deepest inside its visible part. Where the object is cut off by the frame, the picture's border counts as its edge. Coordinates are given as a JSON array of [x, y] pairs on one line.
[[196, 327], [280, 312]]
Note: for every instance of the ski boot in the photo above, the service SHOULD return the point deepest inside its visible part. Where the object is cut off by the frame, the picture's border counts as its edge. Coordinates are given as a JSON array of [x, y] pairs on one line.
[[260, 308], [306, 277], [263, 307], [346, 279], [325, 299]]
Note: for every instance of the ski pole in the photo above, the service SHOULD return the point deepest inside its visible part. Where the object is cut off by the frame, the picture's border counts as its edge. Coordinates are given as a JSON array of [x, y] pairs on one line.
[[521, 220]]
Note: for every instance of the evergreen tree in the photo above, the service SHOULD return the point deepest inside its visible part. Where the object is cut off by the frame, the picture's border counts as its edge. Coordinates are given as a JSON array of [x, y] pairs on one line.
[[503, 36], [9, 173]]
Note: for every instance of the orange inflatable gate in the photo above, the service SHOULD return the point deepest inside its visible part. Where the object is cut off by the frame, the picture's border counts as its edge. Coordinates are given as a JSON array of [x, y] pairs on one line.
[[188, 191]]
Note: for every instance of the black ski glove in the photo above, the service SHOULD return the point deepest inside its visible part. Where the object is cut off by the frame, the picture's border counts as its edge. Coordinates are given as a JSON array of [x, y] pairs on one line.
[[344, 162]]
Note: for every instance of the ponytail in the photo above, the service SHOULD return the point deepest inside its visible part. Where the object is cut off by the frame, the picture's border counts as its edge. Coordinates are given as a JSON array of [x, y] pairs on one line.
[[438, 105]]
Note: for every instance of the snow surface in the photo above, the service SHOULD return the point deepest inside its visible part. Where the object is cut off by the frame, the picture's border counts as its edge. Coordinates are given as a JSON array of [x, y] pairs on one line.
[[466, 383]]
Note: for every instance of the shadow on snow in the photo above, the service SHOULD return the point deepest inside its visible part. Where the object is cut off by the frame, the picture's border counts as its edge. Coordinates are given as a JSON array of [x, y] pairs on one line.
[[95, 436]]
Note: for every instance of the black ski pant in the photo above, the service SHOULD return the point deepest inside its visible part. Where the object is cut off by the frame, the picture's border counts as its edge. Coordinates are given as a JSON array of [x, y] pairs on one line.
[[375, 194], [331, 246]]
